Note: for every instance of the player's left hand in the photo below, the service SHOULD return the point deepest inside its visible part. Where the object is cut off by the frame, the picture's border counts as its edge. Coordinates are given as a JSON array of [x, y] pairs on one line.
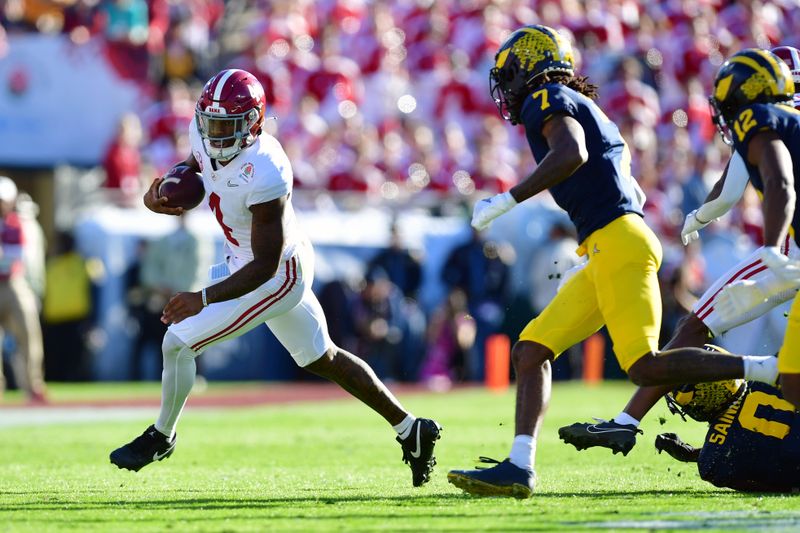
[[779, 264], [182, 306], [490, 208], [673, 445], [691, 227]]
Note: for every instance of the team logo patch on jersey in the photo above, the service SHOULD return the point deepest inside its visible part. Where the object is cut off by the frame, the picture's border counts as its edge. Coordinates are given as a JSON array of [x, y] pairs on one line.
[[246, 172], [199, 160]]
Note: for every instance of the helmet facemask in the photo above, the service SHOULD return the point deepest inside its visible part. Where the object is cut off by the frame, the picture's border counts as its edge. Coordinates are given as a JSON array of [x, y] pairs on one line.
[[719, 121], [508, 88], [224, 136]]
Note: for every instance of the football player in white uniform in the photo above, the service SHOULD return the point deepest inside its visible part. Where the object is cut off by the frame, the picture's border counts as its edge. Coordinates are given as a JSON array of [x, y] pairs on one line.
[[743, 293], [266, 278]]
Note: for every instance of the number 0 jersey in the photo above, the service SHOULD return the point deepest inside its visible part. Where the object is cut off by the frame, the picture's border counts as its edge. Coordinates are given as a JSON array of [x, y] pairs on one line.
[[602, 189], [258, 174], [784, 120], [754, 445]]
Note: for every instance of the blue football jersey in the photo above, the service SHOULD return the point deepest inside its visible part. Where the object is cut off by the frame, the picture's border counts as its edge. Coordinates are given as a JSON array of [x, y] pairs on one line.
[[784, 120], [754, 445], [602, 189]]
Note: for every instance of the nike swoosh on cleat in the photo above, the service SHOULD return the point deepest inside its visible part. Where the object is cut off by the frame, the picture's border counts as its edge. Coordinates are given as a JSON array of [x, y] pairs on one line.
[[596, 430], [416, 453], [158, 456]]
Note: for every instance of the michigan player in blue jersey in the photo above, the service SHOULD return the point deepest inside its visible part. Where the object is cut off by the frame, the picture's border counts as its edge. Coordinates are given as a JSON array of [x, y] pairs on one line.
[[753, 439], [752, 96], [752, 101], [584, 163], [744, 293]]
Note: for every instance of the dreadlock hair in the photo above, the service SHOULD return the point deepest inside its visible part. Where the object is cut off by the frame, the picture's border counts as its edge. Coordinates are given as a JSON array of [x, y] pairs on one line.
[[576, 83]]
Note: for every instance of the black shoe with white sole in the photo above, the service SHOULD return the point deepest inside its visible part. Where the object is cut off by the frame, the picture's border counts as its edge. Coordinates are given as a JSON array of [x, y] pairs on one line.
[[418, 449], [150, 446], [608, 434]]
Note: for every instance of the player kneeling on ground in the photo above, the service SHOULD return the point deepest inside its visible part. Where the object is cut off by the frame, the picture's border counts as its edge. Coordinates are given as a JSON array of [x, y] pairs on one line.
[[266, 278]]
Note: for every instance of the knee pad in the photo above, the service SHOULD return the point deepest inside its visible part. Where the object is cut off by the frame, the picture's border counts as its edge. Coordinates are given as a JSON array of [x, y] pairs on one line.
[[174, 347]]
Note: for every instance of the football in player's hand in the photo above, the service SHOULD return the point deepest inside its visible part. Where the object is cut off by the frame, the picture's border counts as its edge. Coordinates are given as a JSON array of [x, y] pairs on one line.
[[183, 187]]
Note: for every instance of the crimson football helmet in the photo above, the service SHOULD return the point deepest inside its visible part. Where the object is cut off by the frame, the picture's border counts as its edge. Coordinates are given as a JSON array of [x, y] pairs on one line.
[[790, 56], [230, 113]]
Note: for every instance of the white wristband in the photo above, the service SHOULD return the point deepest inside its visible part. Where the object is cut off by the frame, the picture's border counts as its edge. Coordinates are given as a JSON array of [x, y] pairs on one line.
[[205, 299]]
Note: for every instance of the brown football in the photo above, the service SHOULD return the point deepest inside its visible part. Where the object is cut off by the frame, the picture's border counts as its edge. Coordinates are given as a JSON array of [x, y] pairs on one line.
[[183, 187]]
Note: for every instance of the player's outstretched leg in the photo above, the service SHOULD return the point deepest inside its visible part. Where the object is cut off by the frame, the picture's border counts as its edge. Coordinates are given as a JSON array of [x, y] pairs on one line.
[[176, 382], [150, 446], [617, 435], [417, 436]]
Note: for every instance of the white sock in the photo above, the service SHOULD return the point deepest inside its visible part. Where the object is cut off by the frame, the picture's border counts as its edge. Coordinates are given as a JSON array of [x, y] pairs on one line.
[[403, 429], [523, 451], [625, 419], [763, 368], [177, 379]]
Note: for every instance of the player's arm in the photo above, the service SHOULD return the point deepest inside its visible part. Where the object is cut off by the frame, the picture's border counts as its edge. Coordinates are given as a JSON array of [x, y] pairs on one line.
[[723, 196], [768, 152], [267, 239], [567, 142], [157, 203]]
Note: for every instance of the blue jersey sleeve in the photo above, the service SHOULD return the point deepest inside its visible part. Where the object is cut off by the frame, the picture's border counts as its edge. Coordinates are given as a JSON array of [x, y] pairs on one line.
[[550, 99]]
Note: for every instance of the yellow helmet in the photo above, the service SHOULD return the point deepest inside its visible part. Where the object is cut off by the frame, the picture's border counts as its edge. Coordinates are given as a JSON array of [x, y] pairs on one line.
[[748, 77], [528, 53], [705, 401]]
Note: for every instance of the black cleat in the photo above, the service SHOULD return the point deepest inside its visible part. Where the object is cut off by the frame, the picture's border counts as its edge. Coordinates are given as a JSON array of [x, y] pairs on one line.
[[503, 479], [608, 434], [418, 449], [148, 447]]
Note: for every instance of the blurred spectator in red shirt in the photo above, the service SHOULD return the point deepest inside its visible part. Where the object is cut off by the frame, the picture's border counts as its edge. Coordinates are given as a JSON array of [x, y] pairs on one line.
[[19, 314], [123, 162]]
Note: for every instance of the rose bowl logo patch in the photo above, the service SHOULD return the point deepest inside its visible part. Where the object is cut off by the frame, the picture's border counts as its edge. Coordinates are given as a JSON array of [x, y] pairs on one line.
[[246, 172]]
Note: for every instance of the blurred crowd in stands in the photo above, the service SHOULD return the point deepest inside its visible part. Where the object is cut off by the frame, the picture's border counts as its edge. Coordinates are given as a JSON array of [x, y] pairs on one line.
[[388, 102]]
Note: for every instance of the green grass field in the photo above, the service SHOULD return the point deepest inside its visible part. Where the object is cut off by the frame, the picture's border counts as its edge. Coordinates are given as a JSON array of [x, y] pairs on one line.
[[335, 466]]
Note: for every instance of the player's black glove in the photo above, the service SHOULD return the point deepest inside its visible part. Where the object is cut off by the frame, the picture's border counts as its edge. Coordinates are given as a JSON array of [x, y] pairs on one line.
[[673, 445]]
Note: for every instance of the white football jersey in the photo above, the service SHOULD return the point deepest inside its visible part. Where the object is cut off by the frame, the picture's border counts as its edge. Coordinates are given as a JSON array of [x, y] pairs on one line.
[[259, 173]]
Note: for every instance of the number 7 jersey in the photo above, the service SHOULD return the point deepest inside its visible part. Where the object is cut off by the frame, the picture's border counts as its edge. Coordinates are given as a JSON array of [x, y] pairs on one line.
[[602, 189], [258, 174]]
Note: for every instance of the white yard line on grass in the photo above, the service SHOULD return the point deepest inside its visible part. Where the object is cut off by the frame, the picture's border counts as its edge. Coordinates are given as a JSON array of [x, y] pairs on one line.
[[41, 416], [720, 520]]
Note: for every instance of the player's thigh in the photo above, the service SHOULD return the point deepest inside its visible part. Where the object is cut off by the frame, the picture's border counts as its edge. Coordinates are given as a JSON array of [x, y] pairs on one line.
[[789, 355], [221, 321], [571, 316], [303, 330], [625, 275], [752, 269]]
